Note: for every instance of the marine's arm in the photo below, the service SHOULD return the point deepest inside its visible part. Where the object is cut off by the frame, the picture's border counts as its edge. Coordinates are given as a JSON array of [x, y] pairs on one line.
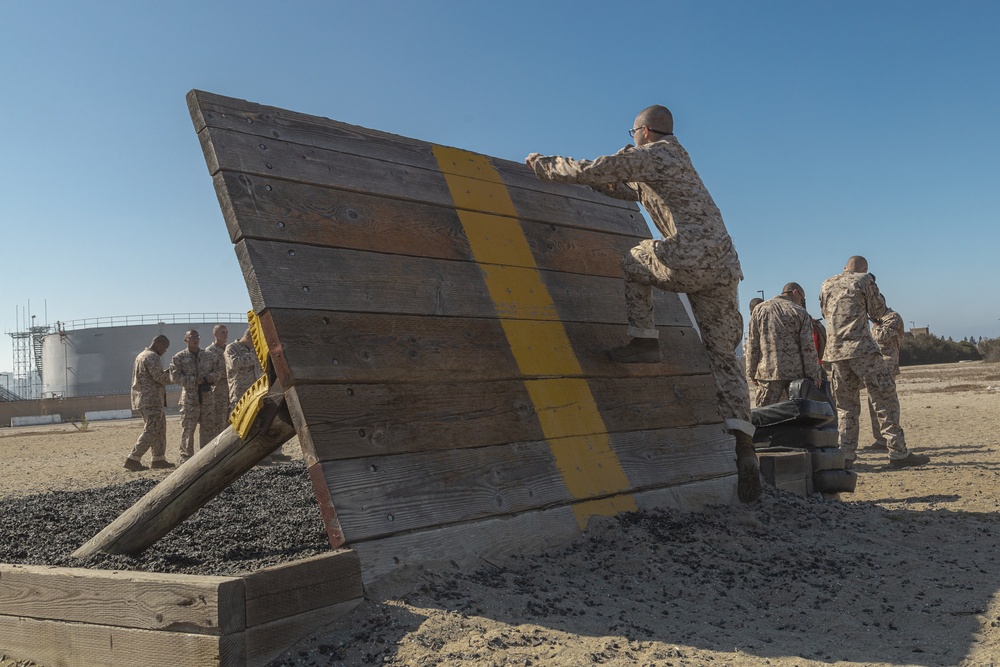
[[874, 301], [807, 348], [154, 367], [179, 376], [628, 166], [753, 349]]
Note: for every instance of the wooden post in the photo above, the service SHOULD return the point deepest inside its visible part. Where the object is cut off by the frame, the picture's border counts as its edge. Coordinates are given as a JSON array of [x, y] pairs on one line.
[[193, 484]]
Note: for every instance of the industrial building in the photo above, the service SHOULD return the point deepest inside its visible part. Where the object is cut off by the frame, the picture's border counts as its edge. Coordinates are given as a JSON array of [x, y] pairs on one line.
[[94, 357]]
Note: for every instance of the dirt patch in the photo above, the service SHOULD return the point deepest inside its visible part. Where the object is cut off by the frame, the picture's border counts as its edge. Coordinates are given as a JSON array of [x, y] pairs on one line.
[[902, 572]]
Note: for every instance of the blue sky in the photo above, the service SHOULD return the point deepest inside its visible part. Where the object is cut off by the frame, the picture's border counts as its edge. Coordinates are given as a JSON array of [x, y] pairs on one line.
[[823, 130]]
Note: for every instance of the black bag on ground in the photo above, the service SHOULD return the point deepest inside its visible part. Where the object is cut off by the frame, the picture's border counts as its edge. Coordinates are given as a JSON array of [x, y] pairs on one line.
[[806, 388], [798, 411]]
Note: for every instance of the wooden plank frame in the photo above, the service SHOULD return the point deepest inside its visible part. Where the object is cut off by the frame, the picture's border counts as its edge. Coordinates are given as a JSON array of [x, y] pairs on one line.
[[438, 321], [122, 619]]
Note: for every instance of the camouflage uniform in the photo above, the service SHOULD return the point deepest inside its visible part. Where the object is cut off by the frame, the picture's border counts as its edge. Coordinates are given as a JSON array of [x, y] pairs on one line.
[[780, 349], [696, 255], [220, 390], [849, 300], [196, 403], [241, 369], [149, 397], [888, 333]]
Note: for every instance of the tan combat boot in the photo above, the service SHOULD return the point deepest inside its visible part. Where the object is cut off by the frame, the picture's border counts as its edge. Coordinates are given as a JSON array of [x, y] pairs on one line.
[[748, 487]]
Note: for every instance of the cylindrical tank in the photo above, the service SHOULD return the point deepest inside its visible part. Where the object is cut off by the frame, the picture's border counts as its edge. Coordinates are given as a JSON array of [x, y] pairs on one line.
[[97, 361]]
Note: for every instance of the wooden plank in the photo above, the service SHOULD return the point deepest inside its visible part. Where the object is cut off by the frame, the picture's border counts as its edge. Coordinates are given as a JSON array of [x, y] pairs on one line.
[[149, 600], [331, 346], [351, 421], [307, 585], [289, 212], [264, 643], [245, 154], [493, 540], [313, 278], [65, 643], [266, 125], [329, 513], [381, 495]]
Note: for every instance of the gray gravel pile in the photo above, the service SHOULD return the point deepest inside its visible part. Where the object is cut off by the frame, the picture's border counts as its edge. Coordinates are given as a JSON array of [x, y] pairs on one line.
[[266, 517]]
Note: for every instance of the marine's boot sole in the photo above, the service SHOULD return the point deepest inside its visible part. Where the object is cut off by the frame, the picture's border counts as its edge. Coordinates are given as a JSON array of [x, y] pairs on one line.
[[748, 487]]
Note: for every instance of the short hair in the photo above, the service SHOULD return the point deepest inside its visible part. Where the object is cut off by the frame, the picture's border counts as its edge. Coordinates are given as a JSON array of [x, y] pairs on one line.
[[754, 302], [160, 340], [658, 119], [216, 328], [857, 263], [190, 332], [791, 287]]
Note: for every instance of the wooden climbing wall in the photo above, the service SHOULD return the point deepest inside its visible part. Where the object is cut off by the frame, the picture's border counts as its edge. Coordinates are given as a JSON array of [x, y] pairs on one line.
[[438, 321]]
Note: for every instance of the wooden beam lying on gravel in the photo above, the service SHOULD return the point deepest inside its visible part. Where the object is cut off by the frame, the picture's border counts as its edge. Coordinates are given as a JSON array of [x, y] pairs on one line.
[[193, 484]]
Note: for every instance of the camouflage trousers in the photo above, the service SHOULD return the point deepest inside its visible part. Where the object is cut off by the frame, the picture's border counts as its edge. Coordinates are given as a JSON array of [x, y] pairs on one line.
[[848, 376], [220, 397], [153, 436], [767, 392], [876, 431], [713, 294], [194, 414]]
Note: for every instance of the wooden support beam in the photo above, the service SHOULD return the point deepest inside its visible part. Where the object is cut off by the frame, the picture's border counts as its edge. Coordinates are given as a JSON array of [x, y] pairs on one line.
[[200, 479]]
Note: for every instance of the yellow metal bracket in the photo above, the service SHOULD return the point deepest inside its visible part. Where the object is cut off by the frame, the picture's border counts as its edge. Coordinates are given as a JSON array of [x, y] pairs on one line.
[[250, 403]]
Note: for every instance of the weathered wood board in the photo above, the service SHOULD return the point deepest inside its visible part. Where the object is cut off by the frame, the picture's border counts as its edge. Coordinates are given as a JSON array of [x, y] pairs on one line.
[[439, 321], [75, 616]]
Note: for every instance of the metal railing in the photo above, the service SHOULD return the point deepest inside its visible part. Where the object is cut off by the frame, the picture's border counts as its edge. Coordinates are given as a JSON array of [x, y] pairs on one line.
[[134, 320]]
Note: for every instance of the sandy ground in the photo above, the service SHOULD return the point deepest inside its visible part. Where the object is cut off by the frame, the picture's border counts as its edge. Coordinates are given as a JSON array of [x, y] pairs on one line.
[[903, 572]]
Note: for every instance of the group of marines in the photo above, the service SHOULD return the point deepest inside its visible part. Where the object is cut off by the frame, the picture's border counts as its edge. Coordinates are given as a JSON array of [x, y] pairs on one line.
[[212, 380], [858, 347]]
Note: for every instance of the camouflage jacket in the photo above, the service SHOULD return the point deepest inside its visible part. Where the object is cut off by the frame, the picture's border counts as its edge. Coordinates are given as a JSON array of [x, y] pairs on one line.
[[149, 381], [661, 177], [888, 332], [780, 344], [186, 368], [241, 369], [217, 367], [849, 300]]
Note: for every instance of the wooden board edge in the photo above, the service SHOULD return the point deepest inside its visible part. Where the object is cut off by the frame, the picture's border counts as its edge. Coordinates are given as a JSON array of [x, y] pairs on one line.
[[190, 604], [69, 643], [291, 589], [265, 643]]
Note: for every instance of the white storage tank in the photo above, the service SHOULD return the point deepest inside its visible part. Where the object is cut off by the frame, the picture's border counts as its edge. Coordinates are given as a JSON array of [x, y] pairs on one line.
[[95, 357]]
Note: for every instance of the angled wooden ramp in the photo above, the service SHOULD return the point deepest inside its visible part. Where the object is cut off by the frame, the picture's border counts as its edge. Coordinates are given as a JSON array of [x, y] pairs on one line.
[[438, 321]]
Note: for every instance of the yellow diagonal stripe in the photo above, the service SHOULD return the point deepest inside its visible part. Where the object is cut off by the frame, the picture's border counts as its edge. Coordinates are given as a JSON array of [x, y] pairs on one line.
[[566, 409]]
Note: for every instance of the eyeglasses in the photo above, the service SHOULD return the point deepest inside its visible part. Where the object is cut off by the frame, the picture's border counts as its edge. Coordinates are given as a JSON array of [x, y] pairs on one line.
[[632, 132]]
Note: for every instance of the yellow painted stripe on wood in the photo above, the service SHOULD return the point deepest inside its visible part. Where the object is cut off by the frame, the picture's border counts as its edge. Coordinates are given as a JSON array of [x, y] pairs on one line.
[[566, 409]]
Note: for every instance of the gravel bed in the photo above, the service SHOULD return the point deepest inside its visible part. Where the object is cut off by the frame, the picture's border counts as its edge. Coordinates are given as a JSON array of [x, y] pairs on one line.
[[266, 517]]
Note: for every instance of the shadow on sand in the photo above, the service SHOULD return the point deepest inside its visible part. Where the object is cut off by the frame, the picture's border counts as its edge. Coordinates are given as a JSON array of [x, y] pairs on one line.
[[822, 580]]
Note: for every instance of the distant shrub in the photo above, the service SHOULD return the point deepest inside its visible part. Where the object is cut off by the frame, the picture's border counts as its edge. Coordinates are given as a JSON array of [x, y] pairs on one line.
[[989, 348], [927, 349]]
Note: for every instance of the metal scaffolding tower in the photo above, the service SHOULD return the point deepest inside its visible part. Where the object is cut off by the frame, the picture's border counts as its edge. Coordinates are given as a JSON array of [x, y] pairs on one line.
[[27, 348]]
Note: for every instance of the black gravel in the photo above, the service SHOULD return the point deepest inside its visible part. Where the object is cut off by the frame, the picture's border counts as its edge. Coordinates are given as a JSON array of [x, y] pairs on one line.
[[266, 517]]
